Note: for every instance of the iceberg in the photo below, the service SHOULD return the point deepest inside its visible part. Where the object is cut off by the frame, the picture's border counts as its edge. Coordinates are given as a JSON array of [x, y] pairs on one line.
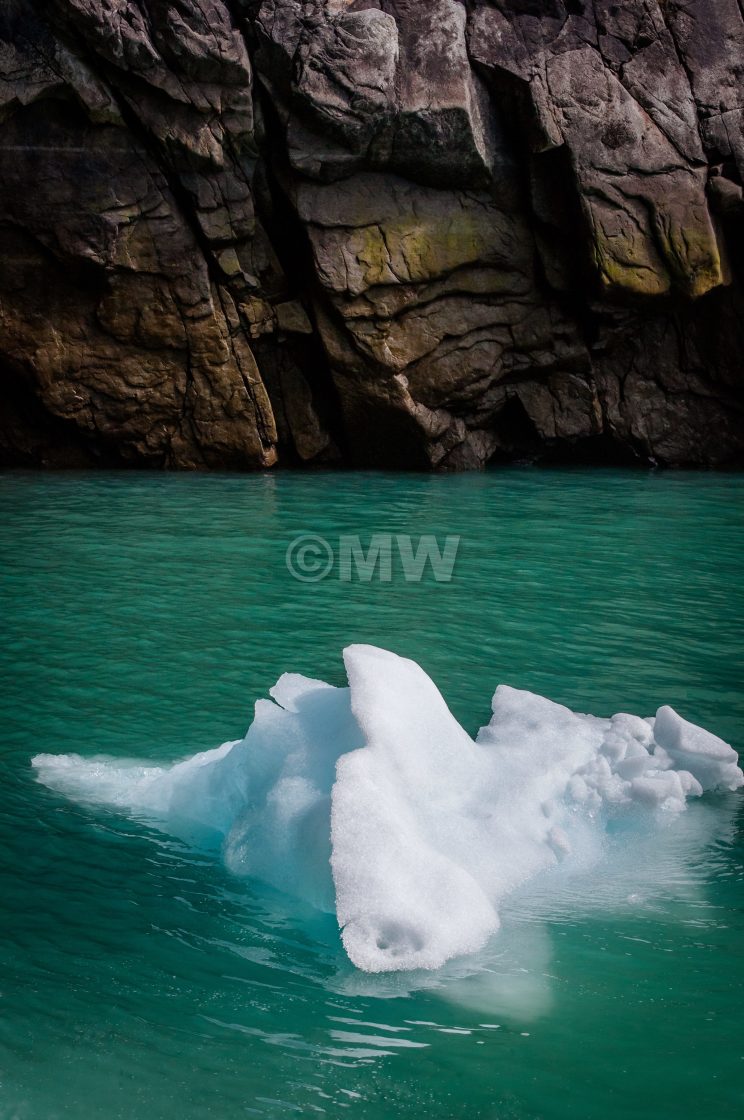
[[372, 801]]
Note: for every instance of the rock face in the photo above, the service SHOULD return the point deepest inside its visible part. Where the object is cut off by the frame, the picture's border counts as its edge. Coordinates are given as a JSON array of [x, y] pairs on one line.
[[371, 232]]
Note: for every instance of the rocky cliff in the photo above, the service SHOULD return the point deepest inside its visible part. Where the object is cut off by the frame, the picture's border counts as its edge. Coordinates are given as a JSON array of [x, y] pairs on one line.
[[405, 233]]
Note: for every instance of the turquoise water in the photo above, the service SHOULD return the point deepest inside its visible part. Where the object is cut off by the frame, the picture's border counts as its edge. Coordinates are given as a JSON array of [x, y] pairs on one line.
[[142, 615]]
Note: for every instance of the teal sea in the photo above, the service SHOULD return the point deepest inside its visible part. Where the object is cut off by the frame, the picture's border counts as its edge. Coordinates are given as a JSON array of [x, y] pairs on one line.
[[142, 616]]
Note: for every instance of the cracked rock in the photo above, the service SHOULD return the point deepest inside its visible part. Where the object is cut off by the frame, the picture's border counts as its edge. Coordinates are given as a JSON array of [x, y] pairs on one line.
[[240, 233]]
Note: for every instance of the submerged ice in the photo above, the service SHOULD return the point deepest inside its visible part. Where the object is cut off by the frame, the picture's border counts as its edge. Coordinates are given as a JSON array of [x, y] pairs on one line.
[[372, 800]]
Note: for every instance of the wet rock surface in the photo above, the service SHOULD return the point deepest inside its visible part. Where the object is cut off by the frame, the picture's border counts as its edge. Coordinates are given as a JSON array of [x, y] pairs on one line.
[[378, 232]]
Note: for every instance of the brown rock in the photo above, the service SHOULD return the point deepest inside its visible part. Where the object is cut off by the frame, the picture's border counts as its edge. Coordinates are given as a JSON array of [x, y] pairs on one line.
[[236, 233]]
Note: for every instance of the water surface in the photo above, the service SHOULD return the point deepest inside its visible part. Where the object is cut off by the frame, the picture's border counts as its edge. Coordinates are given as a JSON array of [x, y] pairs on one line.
[[143, 615]]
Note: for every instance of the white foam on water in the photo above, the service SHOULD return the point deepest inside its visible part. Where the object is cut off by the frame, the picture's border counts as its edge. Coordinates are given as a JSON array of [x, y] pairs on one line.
[[372, 800]]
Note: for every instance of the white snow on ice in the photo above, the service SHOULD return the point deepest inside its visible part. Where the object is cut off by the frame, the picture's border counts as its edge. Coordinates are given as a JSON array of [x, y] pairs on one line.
[[372, 800]]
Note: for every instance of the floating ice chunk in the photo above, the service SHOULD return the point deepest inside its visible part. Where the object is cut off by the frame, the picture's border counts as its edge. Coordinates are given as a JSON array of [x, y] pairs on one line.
[[373, 800]]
